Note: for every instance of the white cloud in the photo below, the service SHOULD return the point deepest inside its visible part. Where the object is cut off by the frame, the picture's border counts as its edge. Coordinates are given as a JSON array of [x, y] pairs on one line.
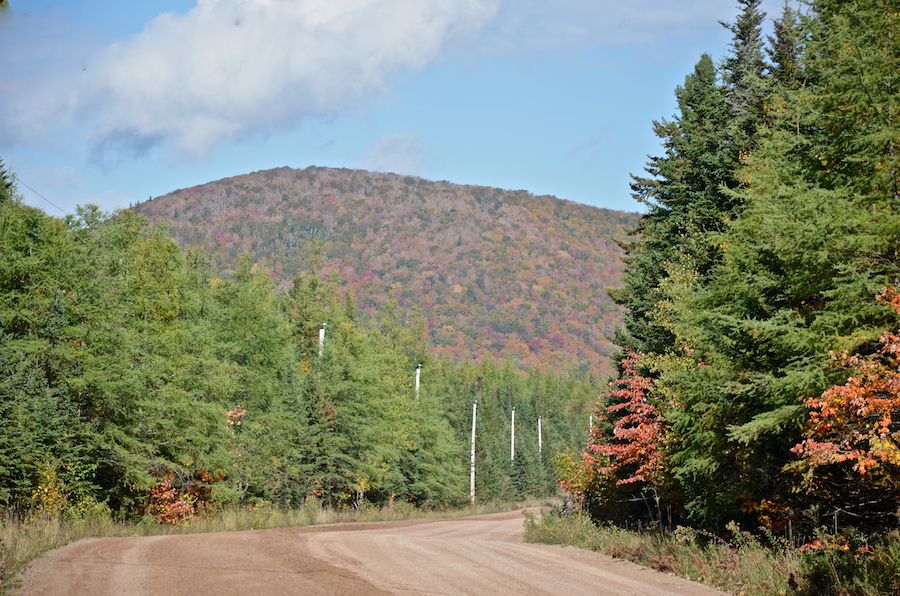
[[250, 68], [402, 153], [241, 67]]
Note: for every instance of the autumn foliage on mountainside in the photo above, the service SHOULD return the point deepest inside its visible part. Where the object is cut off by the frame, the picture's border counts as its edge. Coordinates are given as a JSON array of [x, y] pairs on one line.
[[500, 273]]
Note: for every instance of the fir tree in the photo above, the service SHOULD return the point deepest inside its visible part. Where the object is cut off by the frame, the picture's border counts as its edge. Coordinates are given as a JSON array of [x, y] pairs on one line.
[[800, 267], [7, 189], [785, 50], [684, 203], [743, 75]]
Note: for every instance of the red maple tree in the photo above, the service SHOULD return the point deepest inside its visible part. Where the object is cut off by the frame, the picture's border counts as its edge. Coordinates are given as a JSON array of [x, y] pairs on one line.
[[635, 447], [633, 454]]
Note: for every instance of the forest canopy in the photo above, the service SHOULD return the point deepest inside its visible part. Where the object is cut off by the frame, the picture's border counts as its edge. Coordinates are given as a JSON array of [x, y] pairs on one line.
[[758, 373], [136, 377], [494, 272]]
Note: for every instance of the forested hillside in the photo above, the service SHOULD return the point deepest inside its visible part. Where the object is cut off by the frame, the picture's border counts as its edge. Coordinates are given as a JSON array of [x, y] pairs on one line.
[[136, 378], [761, 380], [493, 272]]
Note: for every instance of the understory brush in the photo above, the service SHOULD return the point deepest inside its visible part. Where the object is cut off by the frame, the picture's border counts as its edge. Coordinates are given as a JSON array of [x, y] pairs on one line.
[[742, 565], [24, 538]]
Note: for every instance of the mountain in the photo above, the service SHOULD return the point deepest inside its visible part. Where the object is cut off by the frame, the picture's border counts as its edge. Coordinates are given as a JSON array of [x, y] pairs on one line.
[[494, 272]]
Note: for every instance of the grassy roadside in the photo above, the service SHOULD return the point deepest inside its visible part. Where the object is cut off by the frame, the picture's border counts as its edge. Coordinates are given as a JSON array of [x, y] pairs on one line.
[[743, 566], [23, 540]]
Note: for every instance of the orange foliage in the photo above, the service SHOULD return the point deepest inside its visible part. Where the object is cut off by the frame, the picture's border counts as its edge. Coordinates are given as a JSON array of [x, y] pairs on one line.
[[633, 454], [178, 505], [857, 425], [636, 444]]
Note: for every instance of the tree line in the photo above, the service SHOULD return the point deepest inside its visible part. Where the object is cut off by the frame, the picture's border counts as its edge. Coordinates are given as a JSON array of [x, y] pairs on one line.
[[135, 377], [759, 358]]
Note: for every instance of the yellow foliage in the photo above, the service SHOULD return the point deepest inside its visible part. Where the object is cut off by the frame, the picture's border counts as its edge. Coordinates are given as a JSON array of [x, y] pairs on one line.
[[49, 498]]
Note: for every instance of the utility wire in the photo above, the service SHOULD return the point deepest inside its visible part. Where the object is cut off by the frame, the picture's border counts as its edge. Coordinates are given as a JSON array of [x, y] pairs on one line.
[[16, 180]]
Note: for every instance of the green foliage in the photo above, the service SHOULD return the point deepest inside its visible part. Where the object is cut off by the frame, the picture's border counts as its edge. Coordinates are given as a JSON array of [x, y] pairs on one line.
[[561, 402], [7, 188], [685, 204], [377, 437], [853, 56], [37, 423], [745, 83], [771, 229], [134, 375], [800, 270]]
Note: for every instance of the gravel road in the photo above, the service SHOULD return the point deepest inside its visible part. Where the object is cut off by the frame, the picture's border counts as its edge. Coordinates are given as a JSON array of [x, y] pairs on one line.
[[483, 556]]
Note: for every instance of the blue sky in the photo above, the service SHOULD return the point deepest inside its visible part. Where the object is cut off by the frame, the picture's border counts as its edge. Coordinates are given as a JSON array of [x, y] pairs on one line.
[[112, 102]]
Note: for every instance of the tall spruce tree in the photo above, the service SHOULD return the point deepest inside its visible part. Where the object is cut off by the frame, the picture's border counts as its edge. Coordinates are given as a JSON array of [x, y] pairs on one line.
[[743, 75], [785, 48], [691, 199], [687, 194], [684, 202]]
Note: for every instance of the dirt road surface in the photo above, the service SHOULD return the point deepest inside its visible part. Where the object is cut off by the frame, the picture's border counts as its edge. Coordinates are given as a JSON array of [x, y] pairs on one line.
[[477, 556]]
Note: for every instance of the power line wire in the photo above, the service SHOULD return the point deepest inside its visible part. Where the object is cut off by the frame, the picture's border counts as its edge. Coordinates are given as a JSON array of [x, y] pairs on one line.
[[17, 180]]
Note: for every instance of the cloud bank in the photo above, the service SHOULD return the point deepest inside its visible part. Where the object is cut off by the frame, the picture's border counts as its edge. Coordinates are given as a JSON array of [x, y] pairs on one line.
[[250, 68], [241, 67]]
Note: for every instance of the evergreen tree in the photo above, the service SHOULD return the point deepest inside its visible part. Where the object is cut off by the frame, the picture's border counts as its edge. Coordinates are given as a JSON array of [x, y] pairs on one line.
[[7, 189], [373, 436], [253, 340], [785, 49], [854, 54], [743, 75], [692, 199], [684, 202], [40, 430], [801, 266]]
